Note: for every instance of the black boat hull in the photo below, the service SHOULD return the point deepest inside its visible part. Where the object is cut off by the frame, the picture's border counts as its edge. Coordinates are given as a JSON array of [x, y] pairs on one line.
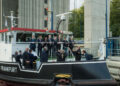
[[81, 83], [83, 73]]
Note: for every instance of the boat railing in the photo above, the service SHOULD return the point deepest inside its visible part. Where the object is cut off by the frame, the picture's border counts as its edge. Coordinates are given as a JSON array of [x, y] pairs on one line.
[[51, 47], [55, 54], [113, 46]]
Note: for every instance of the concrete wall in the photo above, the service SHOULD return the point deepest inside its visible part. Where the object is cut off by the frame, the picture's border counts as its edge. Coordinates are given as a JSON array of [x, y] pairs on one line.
[[95, 24], [31, 13]]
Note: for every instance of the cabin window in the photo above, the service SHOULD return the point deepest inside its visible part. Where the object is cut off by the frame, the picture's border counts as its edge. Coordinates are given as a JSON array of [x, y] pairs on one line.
[[21, 37]]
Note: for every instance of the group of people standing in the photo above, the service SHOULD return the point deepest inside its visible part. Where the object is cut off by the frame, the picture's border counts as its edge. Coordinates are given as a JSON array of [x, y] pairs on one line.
[[52, 44]]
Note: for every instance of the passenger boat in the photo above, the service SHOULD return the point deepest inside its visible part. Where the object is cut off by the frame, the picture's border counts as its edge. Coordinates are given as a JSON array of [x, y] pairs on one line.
[[90, 73]]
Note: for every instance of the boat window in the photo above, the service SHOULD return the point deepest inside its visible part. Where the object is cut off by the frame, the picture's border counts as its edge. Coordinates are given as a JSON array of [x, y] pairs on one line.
[[113, 47], [23, 37]]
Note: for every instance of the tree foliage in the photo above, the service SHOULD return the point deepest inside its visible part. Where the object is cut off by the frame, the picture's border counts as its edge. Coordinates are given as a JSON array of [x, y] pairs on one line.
[[115, 17], [76, 22]]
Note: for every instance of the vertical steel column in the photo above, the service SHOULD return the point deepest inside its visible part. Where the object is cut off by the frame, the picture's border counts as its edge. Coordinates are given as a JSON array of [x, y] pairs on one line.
[[1, 9], [106, 28], [52, 15]]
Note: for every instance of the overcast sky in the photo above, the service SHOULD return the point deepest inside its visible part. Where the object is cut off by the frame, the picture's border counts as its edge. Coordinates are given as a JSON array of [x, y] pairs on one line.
[[75, 3]]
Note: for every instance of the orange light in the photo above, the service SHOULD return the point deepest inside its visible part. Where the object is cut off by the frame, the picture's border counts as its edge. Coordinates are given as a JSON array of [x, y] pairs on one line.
[[47, 18], [47, 9], [46, 29]]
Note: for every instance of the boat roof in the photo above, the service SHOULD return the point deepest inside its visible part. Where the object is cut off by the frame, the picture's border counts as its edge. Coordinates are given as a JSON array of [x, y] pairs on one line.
[[35, 30], [27, 30]]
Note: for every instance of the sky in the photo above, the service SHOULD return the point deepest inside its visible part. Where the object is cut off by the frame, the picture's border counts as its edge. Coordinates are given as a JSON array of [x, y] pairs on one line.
[[78, 3]]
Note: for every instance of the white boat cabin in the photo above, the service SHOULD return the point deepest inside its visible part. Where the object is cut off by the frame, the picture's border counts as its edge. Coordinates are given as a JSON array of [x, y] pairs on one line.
[[19, 39]]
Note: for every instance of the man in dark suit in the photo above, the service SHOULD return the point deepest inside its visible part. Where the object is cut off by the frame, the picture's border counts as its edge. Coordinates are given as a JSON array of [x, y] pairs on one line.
[[45, 44], [32, 44], [32, 59], [50, 45], [40, 45], [26, 59], [44, 56], [58, 42], [54, 45], [17, 58], [61, 55], [65, 45], [77, 54], [71, 45]]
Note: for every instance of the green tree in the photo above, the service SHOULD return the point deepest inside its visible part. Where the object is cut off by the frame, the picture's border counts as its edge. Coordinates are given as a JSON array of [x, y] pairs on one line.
[[115, 17], [76, 22]]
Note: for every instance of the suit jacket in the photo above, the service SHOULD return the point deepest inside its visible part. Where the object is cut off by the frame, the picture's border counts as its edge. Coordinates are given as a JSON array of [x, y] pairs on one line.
[[45, 43], [44, 56], [55, 42], [25, 57], [77, 54], [71, 45], [61, 57], [32, 45], [50, 44], [40, 44], [32, 57]]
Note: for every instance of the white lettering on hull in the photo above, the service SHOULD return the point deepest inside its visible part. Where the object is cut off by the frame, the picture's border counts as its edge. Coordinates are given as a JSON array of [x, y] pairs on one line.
[[8, 69]]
